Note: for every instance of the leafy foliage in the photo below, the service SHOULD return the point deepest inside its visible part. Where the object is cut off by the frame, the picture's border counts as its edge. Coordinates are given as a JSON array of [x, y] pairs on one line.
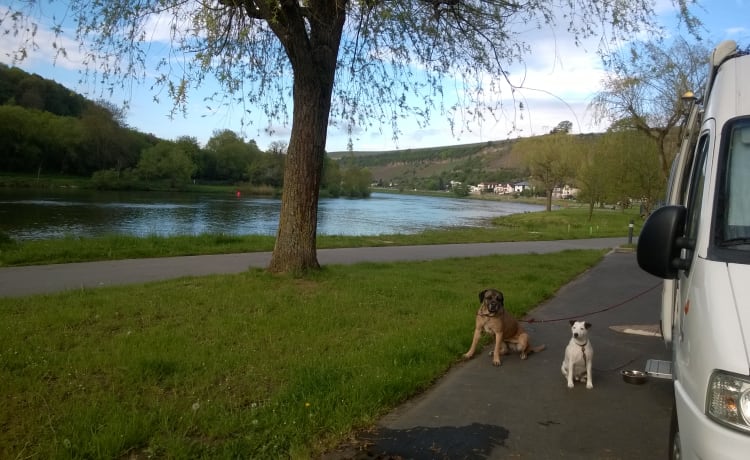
[[166, 161], [31, 91], [60, 132], [47, 128], [644, 87], [618, 167], [549, 159]]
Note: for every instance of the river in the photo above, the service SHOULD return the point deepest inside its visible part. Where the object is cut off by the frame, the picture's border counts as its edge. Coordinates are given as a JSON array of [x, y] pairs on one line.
[[28, 215]]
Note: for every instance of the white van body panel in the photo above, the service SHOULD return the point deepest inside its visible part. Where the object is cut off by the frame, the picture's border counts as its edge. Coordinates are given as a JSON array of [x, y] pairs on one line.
[[730, 92], [710, 327], [702, 438], [668, 310], [739, 280]]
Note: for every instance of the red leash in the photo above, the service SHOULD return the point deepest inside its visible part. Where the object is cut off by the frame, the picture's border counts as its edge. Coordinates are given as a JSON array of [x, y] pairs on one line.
[[610, 307]]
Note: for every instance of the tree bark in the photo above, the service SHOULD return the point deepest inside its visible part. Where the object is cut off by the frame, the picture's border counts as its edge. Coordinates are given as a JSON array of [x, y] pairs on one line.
[[295, 248], [549, 200], [313, 61]]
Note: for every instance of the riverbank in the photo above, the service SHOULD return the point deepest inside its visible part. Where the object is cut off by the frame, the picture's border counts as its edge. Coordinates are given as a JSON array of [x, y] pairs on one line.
[[560, 224], [21, 181]]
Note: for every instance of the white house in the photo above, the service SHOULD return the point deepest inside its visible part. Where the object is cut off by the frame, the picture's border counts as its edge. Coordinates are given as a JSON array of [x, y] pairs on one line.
[[519, 187], [564, 191], [503, 189]]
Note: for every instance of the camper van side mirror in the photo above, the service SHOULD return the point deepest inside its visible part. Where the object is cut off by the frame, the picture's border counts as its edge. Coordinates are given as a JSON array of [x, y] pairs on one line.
[[661, 240]]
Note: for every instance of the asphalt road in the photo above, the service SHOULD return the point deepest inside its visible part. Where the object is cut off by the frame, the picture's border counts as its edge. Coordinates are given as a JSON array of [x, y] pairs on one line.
[[521, 410], [42, 279]]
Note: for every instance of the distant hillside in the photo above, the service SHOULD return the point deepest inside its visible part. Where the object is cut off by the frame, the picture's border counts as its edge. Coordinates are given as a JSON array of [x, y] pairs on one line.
[[50, 129], [468, 163], [32, 91]]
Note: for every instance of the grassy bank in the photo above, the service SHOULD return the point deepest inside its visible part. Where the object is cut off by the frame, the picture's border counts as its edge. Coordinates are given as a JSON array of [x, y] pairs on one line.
[[567, 223], [245, 366]]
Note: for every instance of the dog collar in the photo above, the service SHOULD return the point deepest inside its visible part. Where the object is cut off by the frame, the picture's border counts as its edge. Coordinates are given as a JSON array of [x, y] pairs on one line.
[[491, 315]]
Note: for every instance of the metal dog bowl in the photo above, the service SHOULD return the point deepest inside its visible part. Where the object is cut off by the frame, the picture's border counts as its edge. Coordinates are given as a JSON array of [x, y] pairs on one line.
[[633, 376]]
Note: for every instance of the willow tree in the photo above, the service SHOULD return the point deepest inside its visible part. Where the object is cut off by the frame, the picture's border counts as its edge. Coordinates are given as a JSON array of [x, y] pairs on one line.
[[644, 87], [551, 160], [359, 64]]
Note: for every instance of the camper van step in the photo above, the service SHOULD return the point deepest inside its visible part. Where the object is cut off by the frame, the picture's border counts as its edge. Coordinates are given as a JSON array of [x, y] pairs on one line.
[[659, 368]]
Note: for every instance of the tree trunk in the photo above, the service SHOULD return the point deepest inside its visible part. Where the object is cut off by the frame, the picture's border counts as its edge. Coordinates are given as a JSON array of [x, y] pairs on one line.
[[314, 65], [295, 248], [549, 200]]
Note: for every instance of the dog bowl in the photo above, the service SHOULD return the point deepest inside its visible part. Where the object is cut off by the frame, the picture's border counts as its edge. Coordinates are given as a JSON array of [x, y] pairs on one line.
[[635, 377]]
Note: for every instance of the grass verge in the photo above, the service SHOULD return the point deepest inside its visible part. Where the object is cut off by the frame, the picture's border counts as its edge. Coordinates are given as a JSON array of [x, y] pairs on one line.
[[244, 366], [568, 223]]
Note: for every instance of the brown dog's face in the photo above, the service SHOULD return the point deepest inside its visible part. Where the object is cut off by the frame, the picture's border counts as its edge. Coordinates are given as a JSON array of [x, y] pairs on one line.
[[493, 300]]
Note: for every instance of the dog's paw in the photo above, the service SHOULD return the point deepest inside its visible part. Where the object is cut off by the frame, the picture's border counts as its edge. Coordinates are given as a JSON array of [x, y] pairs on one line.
[[468, 355], [524, 356], [570, 384], [589, 385], [496, 362]]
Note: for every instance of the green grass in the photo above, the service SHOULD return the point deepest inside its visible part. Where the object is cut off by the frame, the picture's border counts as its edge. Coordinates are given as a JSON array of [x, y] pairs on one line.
[[252, 365], [568, 223]]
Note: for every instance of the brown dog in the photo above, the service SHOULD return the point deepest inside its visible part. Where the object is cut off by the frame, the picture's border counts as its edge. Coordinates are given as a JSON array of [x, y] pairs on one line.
[[494, 319]]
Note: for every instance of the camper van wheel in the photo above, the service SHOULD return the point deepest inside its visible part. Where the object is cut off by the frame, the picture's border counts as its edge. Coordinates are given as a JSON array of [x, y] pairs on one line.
[[674, 436]]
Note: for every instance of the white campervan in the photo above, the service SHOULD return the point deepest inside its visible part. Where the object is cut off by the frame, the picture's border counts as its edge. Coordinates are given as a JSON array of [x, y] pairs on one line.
[[700, 244]]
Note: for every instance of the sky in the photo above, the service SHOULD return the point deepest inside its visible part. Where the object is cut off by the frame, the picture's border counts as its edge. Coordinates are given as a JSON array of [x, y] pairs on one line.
[[559, 78]]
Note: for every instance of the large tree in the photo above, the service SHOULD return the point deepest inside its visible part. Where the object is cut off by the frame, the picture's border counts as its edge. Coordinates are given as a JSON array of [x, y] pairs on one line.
[[619, 166], [550, 159], [345, 62], [644, 87]]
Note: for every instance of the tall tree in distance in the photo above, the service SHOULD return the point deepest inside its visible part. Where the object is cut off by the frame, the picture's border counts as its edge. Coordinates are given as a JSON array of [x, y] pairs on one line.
[[551, 160], [644, 88], [354, 63], [564, 127]]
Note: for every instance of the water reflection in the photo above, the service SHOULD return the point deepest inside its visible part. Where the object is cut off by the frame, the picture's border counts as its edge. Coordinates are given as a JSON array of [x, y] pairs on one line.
[[51, 214]]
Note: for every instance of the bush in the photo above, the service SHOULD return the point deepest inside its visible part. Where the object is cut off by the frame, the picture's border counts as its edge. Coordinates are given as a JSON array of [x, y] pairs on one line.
[[6, 241], [112, 179]]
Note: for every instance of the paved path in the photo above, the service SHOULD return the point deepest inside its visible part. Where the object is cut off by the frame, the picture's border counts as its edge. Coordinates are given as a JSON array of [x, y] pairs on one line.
[[41, 279]]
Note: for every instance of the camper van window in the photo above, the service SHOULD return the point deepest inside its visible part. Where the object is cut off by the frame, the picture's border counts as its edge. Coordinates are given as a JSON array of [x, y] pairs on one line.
[[697, 179], [737, 188]]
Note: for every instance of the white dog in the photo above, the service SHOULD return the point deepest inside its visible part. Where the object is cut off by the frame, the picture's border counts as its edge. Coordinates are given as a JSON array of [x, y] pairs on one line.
[[579, 355]]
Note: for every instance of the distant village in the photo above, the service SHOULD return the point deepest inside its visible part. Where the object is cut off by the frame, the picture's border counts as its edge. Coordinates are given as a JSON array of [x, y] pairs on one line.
[[564, 192]]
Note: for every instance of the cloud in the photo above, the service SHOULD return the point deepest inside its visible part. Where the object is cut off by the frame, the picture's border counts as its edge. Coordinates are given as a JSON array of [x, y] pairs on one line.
[[739, 31]]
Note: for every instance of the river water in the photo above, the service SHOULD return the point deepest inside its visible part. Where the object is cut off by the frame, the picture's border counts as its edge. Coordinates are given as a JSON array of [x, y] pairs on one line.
[[26, 214]]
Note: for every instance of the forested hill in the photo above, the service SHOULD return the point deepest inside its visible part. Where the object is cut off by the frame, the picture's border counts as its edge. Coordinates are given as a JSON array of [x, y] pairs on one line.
[[48, 128], [31, 91]]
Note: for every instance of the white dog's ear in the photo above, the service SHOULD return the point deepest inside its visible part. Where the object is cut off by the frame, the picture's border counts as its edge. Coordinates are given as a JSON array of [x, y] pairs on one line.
[[572, 322], [588, 325]]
